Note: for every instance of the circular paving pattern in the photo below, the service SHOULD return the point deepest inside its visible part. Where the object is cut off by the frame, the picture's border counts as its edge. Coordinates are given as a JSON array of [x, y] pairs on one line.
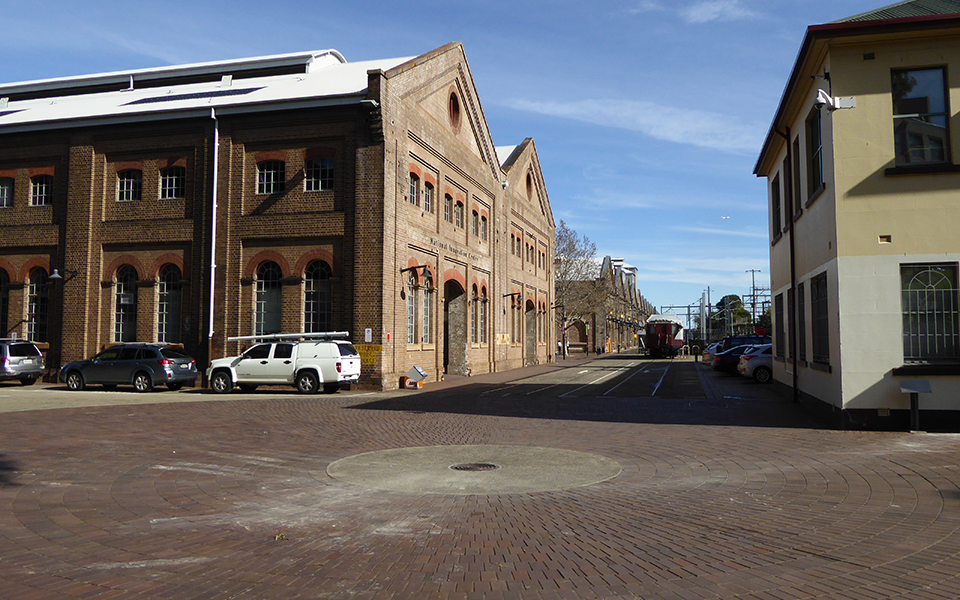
[[474, 469]]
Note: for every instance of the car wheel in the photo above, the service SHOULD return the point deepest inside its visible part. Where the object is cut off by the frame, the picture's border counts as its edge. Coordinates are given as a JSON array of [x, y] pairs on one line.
[[174, 386], [142, 382], [75, 381], [763, 375], [307, 382], [331, 388], [28, 380], [221, 382], [248, 387]]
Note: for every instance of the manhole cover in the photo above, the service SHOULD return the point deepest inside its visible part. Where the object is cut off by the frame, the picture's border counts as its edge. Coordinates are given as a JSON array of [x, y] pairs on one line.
[[474, 467]]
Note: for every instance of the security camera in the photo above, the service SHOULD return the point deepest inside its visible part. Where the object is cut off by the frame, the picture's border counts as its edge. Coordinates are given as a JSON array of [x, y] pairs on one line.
[[822, 99]]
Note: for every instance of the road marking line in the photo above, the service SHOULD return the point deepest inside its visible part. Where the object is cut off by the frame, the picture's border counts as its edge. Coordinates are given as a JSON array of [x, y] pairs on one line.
[[640, 370], [594, 382], [661, 381]]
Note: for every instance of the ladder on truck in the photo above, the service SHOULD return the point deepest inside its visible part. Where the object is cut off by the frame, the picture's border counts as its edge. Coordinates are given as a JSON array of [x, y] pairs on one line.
[[298, 337]]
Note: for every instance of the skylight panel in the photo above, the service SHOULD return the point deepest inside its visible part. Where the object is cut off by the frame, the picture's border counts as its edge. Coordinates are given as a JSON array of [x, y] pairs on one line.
[[194, 96]]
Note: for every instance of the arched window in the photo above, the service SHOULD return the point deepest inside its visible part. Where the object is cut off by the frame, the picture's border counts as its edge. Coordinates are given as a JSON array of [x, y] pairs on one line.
[[428, 197], [483, 316], [318, 174], [6, 192], [414, 196], [411, 308], [173, 182], [317, 297], [426, 323], [267, 313], [474, 315], [4, 301], [448, 208], [458, 215], [168, 304], [125, 309], [37, 305]]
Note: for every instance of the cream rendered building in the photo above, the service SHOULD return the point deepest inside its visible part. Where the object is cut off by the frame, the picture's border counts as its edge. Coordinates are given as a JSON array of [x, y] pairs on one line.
[[862, 162]]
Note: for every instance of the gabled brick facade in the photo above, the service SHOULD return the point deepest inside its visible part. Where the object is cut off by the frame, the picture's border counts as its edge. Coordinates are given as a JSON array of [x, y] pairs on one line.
[[307, 211]]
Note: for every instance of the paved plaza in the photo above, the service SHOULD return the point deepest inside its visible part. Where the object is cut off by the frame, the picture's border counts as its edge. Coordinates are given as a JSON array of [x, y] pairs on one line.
[[599, 478]]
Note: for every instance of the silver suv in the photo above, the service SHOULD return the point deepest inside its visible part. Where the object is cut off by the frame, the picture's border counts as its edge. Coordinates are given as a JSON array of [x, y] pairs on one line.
[[21, 360]]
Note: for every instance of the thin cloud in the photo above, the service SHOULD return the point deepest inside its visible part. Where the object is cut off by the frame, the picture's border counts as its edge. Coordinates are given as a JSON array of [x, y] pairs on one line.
[[694, 127], [728, 232], [716, 10], [645, 6]]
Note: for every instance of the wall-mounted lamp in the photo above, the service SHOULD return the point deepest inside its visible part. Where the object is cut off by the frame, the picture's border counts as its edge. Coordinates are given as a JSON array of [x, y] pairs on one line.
[[70, 274]]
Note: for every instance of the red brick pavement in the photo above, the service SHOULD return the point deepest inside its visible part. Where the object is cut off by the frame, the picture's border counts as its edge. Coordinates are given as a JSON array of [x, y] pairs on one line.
[[231, 500]]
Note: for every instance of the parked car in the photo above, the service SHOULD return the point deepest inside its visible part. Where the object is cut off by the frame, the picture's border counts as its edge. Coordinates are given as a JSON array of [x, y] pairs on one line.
[[708, 353], [757, 363], [21, 360], [728, 360], [744, 340], [309, 365], [142, 365]]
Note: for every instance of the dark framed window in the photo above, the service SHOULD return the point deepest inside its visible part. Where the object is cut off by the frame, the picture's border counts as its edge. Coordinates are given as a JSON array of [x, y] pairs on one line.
[[414, 196], [426, 322], [929, 298], [4, 301], [173, 183], [271, 176], [411, 308], [791, 319], [318, 174], [318, 297], [801, 323], [458, 215], [483, 228], [795, 178], [428, 197], [448, 208], [129, 186], [819, 319], [125, 305], [38, 303], [6, 192], [41, 190], [814, 153], [267, 312], [779, 335], [475, 223], [169, 301], [776, 222], [920, 116]]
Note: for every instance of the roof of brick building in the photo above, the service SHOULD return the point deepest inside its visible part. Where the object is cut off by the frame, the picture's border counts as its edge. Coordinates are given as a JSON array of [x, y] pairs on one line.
[[906, 10]]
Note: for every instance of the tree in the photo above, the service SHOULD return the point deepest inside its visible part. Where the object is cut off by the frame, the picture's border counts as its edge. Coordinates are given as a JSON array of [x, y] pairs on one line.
[[575, 278], [730, 310]]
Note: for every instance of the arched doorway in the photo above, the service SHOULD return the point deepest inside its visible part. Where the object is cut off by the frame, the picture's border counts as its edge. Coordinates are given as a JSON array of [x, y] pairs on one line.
[[455, 329], [530, 333]]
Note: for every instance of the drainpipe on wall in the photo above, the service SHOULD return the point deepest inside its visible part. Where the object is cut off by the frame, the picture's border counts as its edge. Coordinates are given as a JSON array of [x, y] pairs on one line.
[[213, 229]]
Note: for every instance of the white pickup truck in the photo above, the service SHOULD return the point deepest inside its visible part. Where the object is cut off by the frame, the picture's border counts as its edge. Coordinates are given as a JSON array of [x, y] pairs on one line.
[[307, 364]]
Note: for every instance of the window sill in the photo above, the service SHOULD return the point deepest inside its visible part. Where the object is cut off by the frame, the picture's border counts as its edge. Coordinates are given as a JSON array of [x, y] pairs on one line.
[[926, 370], [776, 238], [815, 195], [922, 169], [825, 367]]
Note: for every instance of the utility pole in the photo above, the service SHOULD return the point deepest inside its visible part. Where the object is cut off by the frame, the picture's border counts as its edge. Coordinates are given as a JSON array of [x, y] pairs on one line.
[[753, 294]]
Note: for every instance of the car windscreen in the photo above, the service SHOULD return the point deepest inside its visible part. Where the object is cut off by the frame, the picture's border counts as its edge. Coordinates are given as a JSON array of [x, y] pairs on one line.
[[347, 350], [173, 353], [24, 350]]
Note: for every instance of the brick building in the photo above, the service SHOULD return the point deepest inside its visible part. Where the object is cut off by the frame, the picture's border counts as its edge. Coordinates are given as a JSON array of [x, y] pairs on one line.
[[285, 193]]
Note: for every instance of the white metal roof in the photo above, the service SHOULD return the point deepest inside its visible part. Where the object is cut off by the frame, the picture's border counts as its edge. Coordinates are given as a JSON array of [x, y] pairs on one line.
[[326, 78]]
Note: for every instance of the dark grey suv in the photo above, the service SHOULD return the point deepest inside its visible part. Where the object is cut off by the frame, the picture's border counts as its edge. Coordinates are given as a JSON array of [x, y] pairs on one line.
[[20, 360], [144, 366]]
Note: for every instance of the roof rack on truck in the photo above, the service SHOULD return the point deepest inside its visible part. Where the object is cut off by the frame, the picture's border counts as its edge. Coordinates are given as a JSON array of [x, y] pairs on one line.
[[327, 335]]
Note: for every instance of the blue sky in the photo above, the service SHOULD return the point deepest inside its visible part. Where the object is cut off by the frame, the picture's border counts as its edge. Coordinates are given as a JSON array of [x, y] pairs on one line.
[[648, 115]]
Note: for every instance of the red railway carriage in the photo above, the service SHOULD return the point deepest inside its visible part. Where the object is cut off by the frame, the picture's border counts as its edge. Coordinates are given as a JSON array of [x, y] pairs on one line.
[[664, 336]]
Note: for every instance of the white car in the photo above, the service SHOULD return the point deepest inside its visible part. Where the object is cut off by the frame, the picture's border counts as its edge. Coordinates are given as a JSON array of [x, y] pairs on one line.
[[308, 364], [757, 363]]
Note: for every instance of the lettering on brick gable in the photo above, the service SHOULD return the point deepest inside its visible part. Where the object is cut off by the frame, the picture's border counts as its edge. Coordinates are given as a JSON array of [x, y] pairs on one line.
[[450, 248]]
